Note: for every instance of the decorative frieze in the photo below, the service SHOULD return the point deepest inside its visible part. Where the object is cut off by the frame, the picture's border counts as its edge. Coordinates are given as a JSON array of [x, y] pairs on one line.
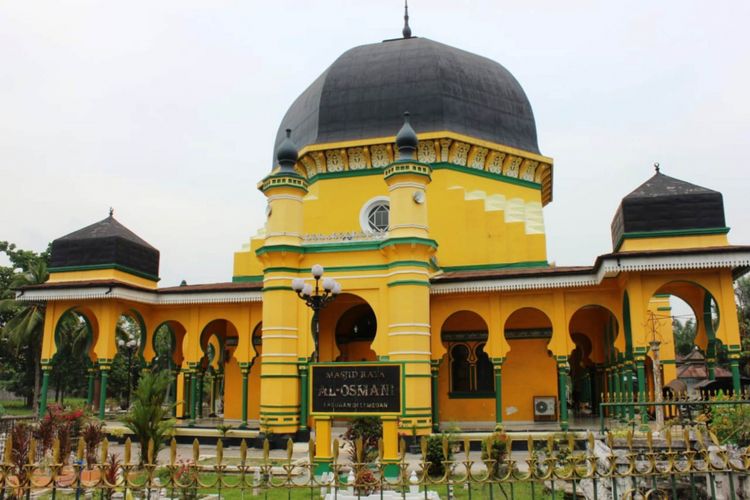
[[481, 157]]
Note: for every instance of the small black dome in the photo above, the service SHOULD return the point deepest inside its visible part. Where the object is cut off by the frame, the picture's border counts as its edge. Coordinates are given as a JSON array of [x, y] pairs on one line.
[[364, 92], [287, 153], [105, 244], [664, 203], [406, 140]]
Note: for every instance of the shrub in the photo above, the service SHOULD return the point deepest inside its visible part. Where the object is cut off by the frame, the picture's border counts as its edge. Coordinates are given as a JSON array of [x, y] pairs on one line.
[[148, 418], [495, 448], [92, 434], [370, 430], [731, 423], [21, 437], [438, 453], [113, 466]]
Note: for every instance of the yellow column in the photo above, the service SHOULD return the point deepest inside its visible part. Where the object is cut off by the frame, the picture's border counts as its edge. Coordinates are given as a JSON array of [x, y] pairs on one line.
[[409, 290], [390, 446], [279, 384]]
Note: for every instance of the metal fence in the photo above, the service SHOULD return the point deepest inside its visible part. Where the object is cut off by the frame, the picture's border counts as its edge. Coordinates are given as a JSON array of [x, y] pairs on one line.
[[562, 466]]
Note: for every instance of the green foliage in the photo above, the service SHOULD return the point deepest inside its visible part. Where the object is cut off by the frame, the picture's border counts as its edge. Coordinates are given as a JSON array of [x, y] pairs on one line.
[[22, 323], [730, 423], [495, 448], [437, 447], [370, 430], [684, 335], [148, 417], [93, 434], [742, 294]]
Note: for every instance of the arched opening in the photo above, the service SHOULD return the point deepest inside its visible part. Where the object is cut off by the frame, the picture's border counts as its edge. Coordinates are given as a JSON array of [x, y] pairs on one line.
[[73, 359], [529, 397], [347, 328], [167, 345], [593, 330], [130, 334], [681, 323], [466, 385], [219, 372]]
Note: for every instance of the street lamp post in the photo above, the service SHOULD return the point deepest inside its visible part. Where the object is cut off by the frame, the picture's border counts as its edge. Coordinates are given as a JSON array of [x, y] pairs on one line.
[[129, 348], [316, 298]]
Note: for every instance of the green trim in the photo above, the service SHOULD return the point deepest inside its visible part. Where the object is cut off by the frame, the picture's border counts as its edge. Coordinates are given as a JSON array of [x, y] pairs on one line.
[[96, 267], [484, 173], [670, 233], [418, 375], [346, 173], [248, 279], [662, 295], [667, 361], [408, 282], [369, 267], [664, 308], [354, 246], [511, 265], [276, 288], [420, 408], [409, 240], [471, 395], [291, 423], [434, 166]]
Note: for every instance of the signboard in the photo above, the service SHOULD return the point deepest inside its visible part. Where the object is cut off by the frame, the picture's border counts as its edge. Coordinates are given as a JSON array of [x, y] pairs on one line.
[[348, 389]]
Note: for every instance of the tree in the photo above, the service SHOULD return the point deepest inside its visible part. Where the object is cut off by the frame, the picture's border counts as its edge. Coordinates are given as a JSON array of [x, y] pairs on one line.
[[684, 335], [742, 294], [24, 321]]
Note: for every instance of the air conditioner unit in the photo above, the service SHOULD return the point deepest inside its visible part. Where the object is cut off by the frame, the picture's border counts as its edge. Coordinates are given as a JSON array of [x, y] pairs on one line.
[[545, 408]]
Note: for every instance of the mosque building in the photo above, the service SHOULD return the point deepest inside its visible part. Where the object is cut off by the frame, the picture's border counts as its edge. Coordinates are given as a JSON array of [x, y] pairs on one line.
[[438, 303]]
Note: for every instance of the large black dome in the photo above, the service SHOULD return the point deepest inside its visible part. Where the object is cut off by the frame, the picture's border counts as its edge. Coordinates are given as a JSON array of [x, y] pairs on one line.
[[364, 93]]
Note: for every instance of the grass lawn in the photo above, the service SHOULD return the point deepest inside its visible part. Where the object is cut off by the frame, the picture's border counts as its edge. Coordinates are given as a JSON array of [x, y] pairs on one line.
[[18, 408]]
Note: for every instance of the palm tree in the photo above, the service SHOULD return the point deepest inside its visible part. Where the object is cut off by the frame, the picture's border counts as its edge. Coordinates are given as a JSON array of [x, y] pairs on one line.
[[26, 325]]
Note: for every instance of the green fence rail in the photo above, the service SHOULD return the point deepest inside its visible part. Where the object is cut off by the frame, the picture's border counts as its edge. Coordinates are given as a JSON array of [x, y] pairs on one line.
[[694, 465]]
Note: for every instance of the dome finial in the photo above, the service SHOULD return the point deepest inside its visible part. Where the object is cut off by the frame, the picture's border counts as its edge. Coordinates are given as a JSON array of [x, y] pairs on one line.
[[406, 140], [111, 212], [656, 167], [407, 30], [287, 153]]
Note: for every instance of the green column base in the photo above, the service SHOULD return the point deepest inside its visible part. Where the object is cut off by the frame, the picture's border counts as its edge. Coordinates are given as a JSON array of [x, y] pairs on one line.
[[322, 466], [391, 469]]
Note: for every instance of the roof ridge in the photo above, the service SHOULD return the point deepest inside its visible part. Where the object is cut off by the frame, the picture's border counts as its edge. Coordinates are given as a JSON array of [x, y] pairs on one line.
[[106, 228]]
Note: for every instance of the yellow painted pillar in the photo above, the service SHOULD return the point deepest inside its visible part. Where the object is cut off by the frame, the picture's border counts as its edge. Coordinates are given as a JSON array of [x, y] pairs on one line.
[[729, 327], [323, 457], [180, 394], [391, 455], [409, 249], [279, 384]]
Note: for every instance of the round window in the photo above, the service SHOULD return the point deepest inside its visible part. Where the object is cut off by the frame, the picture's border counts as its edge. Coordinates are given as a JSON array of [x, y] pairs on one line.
[[375, 215]]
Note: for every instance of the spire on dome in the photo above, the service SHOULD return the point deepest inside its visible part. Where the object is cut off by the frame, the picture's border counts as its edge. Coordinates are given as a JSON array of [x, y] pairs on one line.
[[407, 30]]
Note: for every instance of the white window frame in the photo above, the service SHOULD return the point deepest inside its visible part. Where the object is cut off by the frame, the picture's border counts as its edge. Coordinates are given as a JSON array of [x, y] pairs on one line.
[[364, 213]]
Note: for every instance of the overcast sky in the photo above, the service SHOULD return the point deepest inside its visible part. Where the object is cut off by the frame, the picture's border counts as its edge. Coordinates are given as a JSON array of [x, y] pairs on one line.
[[167, 110]]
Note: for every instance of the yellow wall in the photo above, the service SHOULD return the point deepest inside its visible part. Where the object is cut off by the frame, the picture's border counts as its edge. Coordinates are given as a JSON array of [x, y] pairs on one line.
[[661, 243], [527, 357]]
